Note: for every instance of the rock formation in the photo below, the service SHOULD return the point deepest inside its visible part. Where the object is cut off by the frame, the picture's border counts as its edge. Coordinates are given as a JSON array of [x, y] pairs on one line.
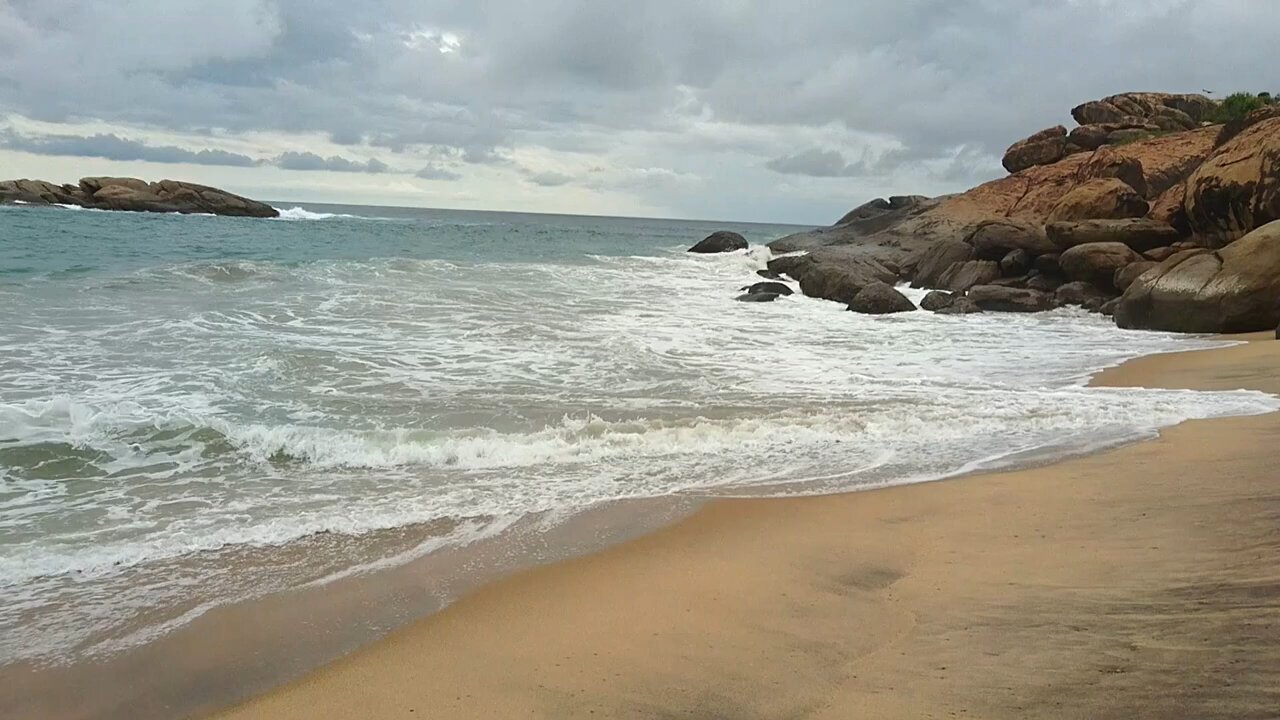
[[131, 194], [720, 241], [1133, 201]]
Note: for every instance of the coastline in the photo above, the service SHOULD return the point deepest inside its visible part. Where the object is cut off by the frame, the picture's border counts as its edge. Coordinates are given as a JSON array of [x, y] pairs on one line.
[[1135, 582]]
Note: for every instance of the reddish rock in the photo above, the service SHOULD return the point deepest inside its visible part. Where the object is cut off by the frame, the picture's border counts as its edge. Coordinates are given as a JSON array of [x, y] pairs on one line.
[[1043, 148], [1100, 198]]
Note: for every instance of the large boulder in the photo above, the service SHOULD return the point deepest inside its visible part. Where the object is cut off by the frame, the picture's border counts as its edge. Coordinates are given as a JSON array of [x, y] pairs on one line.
[[720, 241], [1043, 148], [1235, 289], [1108, 163], [91, 185], [1096, 135], [1140, 234], [962, 276], [881, 207], [1128, 274], [936, 259], [1005, 299], [994, 239], [1238, 188], [880, 298], [1097, 263], [1100, 198]]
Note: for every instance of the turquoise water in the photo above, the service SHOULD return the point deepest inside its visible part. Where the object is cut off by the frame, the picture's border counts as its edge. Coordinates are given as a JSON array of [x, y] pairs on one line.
[[182, 397]]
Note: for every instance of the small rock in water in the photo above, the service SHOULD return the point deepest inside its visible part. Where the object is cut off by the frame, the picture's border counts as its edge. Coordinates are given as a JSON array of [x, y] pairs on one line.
[[757, 297], [768, 274], [776, 288]]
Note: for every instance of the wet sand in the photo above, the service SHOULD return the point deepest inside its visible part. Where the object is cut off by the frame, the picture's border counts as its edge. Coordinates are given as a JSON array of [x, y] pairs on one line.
[[1143, 582]]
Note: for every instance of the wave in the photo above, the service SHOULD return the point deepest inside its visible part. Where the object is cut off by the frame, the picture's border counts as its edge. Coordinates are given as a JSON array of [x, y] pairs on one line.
[[298, 213]]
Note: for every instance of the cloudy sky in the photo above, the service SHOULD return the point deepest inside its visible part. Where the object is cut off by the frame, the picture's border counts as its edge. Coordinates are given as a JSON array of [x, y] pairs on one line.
[[788, 111]]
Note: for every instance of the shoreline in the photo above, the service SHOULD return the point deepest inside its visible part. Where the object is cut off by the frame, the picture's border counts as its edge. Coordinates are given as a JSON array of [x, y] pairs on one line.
[[763, 607]]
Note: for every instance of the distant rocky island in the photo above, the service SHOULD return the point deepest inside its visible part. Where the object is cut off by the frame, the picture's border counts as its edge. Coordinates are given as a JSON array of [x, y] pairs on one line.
[[1158, 209], [132, 194]]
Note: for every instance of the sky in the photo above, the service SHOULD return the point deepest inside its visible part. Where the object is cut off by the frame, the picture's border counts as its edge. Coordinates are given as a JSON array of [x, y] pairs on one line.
[[753, 110]]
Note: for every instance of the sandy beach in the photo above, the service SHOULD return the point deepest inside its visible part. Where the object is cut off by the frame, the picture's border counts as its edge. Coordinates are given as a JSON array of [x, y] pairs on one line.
[[1142, 582]]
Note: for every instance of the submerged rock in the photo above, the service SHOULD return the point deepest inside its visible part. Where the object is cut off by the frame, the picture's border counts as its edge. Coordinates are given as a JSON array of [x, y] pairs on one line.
[[757, 297], [720, 241]]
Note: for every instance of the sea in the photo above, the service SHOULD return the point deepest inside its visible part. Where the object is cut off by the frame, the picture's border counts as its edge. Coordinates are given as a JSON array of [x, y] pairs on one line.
[[185, 401]]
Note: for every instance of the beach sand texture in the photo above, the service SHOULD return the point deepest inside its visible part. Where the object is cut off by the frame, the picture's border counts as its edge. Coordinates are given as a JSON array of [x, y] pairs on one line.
[[1143, 582]]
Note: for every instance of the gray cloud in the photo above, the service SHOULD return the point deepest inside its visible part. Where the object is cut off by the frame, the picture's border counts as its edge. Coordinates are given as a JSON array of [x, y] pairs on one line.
[[113, 147], [312, 161], [433, 172], [548, 178], [816, 163]]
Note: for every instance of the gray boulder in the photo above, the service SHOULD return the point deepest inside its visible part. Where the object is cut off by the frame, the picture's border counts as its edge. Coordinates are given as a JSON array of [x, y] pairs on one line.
[[962, 276], [1003, 299], [1140, 234], [1097, 263], [880, 299]]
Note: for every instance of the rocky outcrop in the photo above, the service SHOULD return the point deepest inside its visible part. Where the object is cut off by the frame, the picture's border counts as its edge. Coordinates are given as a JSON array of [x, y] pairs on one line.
[[880, 298], [881, 207], [1138, 233], [1043, 148], [1235, 289], [1187, 110], [833, 273], [132, 194], [1004, 299], [1237, 188], [1103, 198], [1097, 263], [720, 241], [1108, 163]]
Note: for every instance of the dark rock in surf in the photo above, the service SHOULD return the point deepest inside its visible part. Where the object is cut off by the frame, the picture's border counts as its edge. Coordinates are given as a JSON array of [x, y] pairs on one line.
[[720, 241], [776, 288], [880, 298], [757, 297]]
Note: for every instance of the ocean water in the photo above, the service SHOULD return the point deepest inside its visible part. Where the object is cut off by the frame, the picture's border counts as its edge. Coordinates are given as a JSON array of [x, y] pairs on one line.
[[199, 410]]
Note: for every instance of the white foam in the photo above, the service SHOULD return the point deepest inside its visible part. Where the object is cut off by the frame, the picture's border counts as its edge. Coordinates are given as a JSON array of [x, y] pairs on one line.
[[297, 213]]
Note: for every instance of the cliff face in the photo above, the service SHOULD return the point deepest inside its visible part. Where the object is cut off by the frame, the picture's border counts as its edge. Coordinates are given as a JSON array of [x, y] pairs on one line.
[[112, 193], [1106, 209]]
